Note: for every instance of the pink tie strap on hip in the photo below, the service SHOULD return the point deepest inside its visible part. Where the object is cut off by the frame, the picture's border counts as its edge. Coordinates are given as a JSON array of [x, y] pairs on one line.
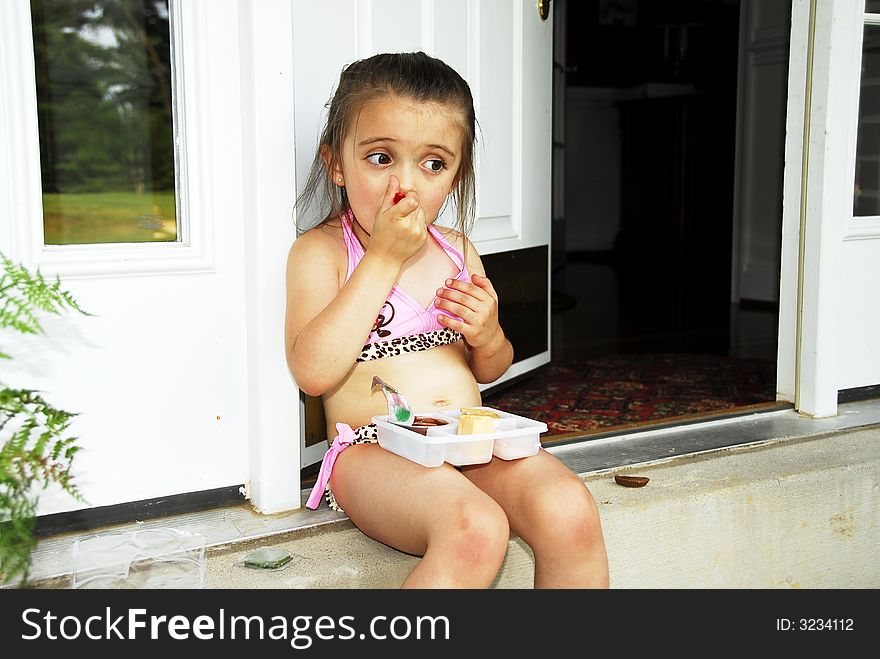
[[344, 437]]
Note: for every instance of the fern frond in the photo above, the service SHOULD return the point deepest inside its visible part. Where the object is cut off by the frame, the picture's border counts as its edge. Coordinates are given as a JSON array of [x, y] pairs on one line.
[[34, 447], [17, 539], [24, 293]]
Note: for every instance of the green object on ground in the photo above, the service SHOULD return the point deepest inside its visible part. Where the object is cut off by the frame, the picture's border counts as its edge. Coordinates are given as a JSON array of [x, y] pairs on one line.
[[267, 558]]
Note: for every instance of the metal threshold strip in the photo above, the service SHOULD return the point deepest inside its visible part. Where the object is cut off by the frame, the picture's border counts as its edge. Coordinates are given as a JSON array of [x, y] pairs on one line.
[[666, 422]]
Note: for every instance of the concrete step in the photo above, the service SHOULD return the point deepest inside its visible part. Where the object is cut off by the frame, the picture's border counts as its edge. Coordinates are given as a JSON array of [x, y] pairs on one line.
[[770, 499], [795, 513]]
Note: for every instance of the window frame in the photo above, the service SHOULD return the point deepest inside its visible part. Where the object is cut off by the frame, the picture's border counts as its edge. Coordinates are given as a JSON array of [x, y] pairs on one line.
[[20, 178], [860, 227]]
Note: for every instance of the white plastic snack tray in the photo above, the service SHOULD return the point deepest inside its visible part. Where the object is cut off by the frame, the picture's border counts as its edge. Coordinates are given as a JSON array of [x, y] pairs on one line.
[[513, 437]]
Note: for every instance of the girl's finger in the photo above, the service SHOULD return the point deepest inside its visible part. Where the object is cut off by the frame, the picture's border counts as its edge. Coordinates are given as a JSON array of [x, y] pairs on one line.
[[391, 192], [467, 314], [394, 196], [467, 288], [484, 283], [462, 299]]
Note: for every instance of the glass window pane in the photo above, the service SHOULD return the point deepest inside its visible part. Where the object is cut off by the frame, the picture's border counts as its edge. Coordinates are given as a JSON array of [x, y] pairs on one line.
[[103, 70], [866, 195], [872, 6]]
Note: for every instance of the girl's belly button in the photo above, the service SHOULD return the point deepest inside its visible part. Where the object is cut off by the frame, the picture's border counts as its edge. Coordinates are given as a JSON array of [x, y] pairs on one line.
[[441, 403]]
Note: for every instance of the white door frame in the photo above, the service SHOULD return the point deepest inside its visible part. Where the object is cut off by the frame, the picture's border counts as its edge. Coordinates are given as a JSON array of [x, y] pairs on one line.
[[823, 89], [269, 189]]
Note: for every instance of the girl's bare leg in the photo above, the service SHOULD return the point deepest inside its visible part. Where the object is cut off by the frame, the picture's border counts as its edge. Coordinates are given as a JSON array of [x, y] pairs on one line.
[[460, 531], [550, 508]]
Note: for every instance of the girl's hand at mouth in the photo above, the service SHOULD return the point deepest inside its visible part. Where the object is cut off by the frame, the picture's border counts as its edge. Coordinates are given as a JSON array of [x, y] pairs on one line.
[[400, 229]]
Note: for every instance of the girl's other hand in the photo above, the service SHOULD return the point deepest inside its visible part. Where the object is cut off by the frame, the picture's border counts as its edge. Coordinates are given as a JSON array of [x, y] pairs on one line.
[[400, 230], [476, 303]]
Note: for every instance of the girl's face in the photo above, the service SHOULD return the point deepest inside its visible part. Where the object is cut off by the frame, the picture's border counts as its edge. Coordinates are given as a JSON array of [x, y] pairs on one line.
[[418, 143]]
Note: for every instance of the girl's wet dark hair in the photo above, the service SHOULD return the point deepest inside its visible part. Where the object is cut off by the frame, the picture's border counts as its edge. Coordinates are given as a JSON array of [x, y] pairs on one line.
[[414, 76]]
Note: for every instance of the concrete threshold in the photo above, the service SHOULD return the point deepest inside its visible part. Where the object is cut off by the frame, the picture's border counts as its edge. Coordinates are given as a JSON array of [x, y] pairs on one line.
[[772, 500]]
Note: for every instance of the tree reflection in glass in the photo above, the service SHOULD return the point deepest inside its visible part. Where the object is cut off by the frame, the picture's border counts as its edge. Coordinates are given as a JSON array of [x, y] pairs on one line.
[[866, 191], [104, 101]]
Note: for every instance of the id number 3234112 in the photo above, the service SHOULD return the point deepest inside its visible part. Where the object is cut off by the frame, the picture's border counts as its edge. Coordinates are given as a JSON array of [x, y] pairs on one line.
[[815, 624]]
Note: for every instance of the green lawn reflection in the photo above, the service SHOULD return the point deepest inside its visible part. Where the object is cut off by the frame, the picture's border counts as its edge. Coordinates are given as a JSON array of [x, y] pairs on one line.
[[109, 217]]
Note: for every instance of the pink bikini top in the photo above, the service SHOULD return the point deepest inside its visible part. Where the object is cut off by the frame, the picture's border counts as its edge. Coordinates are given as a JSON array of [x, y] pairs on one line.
[[401, 316]]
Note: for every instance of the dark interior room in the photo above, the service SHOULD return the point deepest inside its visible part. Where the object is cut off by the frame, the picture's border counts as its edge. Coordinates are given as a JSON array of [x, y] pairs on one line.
[[647, 323]]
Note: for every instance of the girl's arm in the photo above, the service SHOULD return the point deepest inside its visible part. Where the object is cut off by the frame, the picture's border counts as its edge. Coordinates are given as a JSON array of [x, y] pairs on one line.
[[325, 326], [491, 361], [490, 353]]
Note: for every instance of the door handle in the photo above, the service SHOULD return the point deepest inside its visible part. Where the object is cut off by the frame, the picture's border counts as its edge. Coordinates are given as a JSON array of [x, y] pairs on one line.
[[543, 9]]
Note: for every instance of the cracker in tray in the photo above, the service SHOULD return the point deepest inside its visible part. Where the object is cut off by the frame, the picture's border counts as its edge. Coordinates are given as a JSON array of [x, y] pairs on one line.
[[476, 411]]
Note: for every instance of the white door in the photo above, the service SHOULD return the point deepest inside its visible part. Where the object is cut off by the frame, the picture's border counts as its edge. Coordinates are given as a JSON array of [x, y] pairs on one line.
[[167, 377], [504, 50]]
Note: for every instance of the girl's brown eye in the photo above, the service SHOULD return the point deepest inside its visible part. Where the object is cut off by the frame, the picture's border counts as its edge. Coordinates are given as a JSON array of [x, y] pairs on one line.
[[379, 158], [435, 165]]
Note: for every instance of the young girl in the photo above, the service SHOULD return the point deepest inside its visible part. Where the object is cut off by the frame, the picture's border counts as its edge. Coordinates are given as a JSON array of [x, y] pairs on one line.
[[375, 289]]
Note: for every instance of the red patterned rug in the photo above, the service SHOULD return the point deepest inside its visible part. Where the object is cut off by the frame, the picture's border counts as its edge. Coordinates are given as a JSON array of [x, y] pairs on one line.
[[589, 395]]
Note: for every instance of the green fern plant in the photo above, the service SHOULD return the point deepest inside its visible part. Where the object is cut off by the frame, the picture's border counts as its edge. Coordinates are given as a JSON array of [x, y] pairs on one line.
[[36, 448]]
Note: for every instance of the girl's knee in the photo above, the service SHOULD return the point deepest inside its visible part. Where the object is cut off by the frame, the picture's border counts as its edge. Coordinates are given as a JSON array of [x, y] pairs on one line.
[[566, 516], [478, 531]]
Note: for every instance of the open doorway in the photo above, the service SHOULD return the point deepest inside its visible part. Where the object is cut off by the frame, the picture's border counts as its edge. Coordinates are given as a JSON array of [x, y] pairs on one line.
[[668, 157]]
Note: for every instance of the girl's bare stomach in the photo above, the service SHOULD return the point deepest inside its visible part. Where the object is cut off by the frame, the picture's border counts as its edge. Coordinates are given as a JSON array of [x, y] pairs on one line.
[[437, 379]]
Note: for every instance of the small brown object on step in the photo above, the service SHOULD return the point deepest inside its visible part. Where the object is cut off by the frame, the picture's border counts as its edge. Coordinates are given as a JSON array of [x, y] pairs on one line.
[[631, 481]]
